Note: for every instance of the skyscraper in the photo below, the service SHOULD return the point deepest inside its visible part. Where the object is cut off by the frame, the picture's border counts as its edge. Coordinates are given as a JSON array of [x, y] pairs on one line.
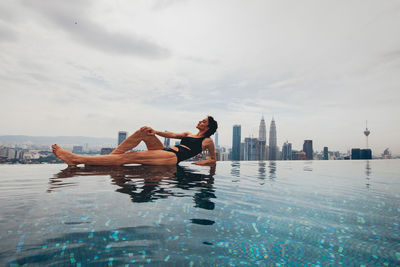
[[237, 132], [326, 153], [262, 132], [167, 142], [121, 136], [308, 149], [273, 148], [262, 140], [287, 151], [216, 140], [250, 149]]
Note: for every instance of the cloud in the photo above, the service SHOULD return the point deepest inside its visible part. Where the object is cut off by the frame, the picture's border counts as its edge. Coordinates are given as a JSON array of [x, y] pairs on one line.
[[73, 17], [7, 34], [163, 4]]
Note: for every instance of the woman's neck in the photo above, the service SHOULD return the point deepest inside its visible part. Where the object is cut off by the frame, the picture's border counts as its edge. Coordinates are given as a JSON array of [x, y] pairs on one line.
[[201, 133]]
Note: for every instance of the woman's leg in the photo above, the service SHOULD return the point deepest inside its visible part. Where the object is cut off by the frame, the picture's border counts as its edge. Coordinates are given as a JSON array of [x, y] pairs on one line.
[[152, 142], [150, 157]]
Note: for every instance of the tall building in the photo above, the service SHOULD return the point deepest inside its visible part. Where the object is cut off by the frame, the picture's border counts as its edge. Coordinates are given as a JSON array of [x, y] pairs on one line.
[[262, 141], [237, 132], [326, 153], [121, 136], [167, 142], [308, 149], [262, 150], [242, 150], [216, 140], [262, 132], [287, 151], [250, 149], [273, 148]]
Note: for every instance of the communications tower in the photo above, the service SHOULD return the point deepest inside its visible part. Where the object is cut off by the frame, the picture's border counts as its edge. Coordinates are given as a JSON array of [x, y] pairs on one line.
[[366, 132]]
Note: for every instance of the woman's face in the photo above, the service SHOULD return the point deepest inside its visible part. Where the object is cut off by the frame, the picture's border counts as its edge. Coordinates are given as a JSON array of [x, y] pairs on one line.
[[203, 124]]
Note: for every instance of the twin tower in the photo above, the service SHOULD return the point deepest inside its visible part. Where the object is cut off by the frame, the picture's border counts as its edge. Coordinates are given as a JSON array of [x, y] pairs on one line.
[[255, 148]]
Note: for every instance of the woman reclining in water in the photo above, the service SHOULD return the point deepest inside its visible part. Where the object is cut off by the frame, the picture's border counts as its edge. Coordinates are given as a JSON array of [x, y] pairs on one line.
[[157, 154]]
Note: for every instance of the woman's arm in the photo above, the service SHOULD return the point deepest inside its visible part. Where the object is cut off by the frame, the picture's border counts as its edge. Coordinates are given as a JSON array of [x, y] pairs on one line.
[[211, 149], [171, 135], [151, 131]]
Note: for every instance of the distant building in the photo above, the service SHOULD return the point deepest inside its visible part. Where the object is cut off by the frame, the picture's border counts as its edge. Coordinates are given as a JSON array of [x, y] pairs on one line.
[[167, 142], [77, 149], [326, 153], [11, 153], [294, 154], [250, 148], [224, 154], [262, 130], [121, 136], [287, 151], [262, 150], [242, 149], [357, 153], [386, 154], [301, 155], [308, 149], [273, 148], [366, 153], [237, 129], [216, 140], [31, 155], [106, 150], [3, 152]]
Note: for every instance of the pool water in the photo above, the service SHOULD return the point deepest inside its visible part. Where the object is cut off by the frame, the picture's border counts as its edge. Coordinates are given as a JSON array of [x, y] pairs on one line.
[[298, 213]]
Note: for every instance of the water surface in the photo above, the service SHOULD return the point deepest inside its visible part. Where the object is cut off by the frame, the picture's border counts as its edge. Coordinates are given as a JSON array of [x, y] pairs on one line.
[[238, 213]]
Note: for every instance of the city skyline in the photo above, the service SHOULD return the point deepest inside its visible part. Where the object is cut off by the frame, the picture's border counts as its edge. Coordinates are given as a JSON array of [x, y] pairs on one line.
[[272, 150], [321, 69], [122, 135]]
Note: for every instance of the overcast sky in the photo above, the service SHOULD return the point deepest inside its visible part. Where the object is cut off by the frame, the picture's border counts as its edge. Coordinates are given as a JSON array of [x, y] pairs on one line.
[[92, 68]]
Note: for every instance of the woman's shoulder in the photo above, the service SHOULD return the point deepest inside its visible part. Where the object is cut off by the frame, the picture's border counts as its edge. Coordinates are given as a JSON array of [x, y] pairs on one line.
[[208, 140]]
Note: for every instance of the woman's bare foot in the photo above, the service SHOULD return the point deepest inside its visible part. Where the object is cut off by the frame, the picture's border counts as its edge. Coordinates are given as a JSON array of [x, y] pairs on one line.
[[65, 156]]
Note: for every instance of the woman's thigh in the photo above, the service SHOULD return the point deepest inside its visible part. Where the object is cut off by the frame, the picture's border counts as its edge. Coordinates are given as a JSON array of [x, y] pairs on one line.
[[153, 143], [150, 157]]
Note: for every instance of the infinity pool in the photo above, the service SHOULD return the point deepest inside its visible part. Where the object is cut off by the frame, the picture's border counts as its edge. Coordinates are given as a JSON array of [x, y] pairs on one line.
[[299, 213]]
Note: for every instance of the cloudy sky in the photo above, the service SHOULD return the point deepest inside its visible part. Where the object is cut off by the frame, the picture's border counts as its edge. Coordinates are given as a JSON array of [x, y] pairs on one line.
[[92, 68]]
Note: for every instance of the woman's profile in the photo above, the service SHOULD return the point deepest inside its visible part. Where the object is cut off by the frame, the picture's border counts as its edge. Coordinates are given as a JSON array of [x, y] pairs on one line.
[[156, 153]]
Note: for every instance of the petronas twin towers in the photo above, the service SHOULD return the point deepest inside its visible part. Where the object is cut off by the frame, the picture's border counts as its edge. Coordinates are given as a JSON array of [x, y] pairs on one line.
[[272, 148], [255, 148]]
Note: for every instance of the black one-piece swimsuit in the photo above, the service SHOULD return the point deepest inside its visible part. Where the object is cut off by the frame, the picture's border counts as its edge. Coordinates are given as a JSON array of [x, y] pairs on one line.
[[189, 147]]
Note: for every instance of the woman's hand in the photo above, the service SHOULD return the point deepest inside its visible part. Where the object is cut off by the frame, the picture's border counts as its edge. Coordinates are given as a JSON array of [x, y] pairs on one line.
[[148, 130], [208, 162]]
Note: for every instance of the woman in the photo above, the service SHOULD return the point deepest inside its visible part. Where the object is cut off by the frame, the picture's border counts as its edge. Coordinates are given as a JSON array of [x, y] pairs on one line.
[[157, 154]]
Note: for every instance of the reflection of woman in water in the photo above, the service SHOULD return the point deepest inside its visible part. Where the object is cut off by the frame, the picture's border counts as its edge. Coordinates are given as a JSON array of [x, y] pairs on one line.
[[157, 154], [146, 183]]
